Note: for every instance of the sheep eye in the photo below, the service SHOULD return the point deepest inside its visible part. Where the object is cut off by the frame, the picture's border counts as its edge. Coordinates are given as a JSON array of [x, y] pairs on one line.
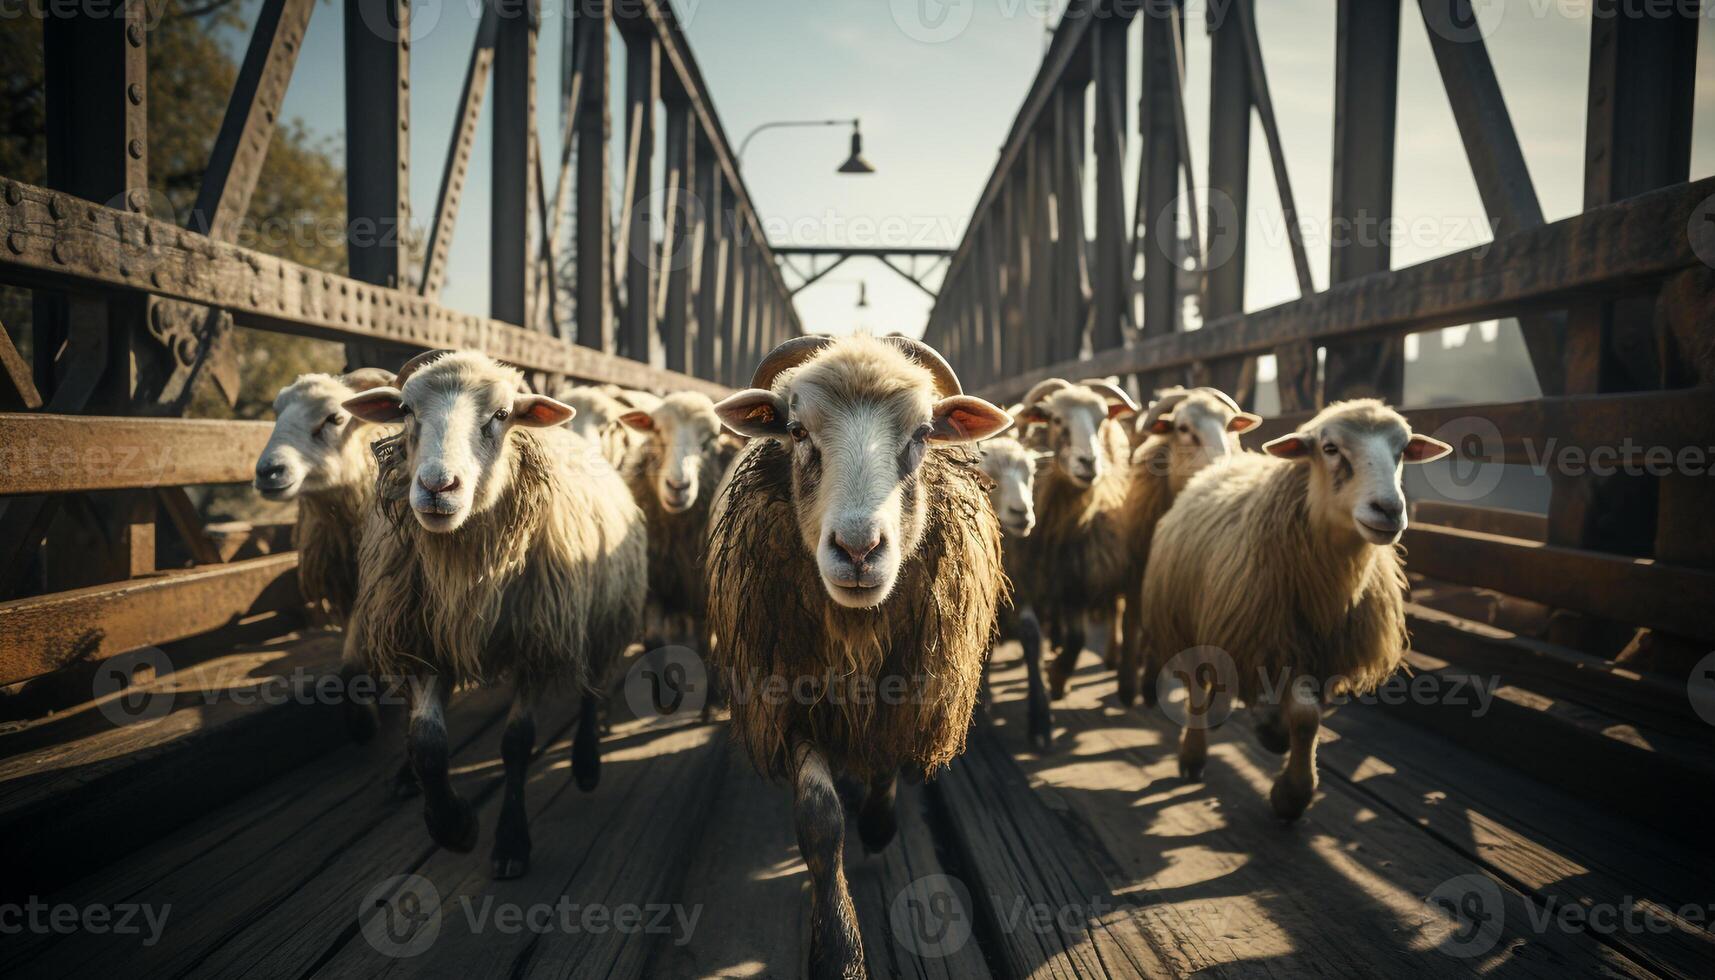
[[922, 432], [799, 433], [404, 410], [1330, 450], [500, 416]]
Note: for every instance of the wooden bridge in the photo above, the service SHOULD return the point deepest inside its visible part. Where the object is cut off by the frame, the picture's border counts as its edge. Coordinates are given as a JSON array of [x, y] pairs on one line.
[[176, 799]]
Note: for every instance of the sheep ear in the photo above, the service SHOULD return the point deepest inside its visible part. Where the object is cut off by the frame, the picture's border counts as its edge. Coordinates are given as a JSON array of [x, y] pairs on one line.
[[1031, 415], [966, 418], [640, 421], [1162, 425], [754, 413], [1423, 449], [1294, 445], [363, 379], [375, 405], [1120, 410], [540, 411], [1244, 422]]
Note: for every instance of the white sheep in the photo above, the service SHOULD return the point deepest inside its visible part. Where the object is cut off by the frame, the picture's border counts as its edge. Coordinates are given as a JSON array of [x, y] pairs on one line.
[[1011, 469], [503, 548], [1277, 577], [855, 567]]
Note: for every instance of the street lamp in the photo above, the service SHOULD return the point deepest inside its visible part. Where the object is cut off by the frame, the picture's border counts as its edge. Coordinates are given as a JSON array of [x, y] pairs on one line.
[[855, 164]]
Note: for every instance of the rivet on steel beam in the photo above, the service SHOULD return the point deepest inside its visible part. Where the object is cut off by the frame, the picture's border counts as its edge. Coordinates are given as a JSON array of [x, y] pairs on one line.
[[59, 253], [187, 350], [15, 242], [134, 92], [57, 208], [14, 195], [134, 34], [135, 148]]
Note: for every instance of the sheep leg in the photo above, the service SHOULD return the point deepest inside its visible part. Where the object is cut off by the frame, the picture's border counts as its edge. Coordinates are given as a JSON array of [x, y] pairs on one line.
[[1194, 735], [1130, 642], [1113, 637], [511, 854], [586, 744], [877, 822], [1039, 715], [715, 699], [451, 819], [1061, 670], [836, 948], [362, 714], [1296, 785], [404, 783]]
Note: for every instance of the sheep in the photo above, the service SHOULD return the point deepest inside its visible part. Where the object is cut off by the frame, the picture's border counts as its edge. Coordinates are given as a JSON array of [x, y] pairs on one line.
[[318, 455], [502, 548], [1287, 564], [597, 419], [1011, 470], [673, 470], [1183, 431], [1077, 562], [855, 480]]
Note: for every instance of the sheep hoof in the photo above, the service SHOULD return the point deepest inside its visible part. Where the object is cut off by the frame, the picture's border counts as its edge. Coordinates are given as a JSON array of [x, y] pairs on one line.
[[1191, 772], [1126, 692], [1289, 801], [586, 767], [505, 869], [455, 829], [1040, 726]]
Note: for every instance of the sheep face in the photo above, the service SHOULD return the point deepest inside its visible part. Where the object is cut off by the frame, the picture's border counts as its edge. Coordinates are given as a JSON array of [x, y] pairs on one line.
[[1357, 452], [595, 409], [315, 444], [457, 412], [1012, 469], [1073, 416], [683, 431], [1200, 429], [859, 417]]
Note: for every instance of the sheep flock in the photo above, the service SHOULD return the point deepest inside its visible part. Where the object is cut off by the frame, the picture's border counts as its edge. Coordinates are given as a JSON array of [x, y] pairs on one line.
[[852, 528]]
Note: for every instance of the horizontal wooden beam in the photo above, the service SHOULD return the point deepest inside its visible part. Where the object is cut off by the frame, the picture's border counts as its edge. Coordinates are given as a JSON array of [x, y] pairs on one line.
[[1606, 251], [60, 241], [68, 453], [46, 633], [1489, 520], [1633, 591]]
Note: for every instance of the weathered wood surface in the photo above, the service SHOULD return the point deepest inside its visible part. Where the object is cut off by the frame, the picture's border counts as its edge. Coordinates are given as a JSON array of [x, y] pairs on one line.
[[1094, 860], [48, 632], [57, 240], [67, 453]]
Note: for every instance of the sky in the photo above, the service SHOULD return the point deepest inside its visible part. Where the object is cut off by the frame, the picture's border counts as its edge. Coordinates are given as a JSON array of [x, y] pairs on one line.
[[937, 84]]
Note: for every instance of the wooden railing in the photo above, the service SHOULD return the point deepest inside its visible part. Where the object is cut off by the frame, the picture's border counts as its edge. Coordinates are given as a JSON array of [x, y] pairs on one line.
[[129, 306]]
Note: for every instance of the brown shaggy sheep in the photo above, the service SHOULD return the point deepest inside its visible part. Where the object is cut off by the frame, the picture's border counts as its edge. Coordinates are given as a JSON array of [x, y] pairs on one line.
[[503, 549], [1277, 575], [1078, 561], [1184, 431], [673, 470], [855, 573]]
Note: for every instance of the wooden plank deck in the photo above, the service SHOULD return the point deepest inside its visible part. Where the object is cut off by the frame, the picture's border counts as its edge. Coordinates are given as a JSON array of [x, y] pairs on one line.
[[1093, 860]]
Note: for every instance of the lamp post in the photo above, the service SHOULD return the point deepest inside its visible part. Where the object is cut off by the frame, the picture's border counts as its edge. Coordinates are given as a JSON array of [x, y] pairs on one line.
[[855, 164]]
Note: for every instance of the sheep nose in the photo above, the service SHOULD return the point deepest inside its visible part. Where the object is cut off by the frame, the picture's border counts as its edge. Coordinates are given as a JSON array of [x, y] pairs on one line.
[[1392, 511], [1085, 462], [677, 486], [860, 545], [1019, 512], [438, 483], [270, 476]]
